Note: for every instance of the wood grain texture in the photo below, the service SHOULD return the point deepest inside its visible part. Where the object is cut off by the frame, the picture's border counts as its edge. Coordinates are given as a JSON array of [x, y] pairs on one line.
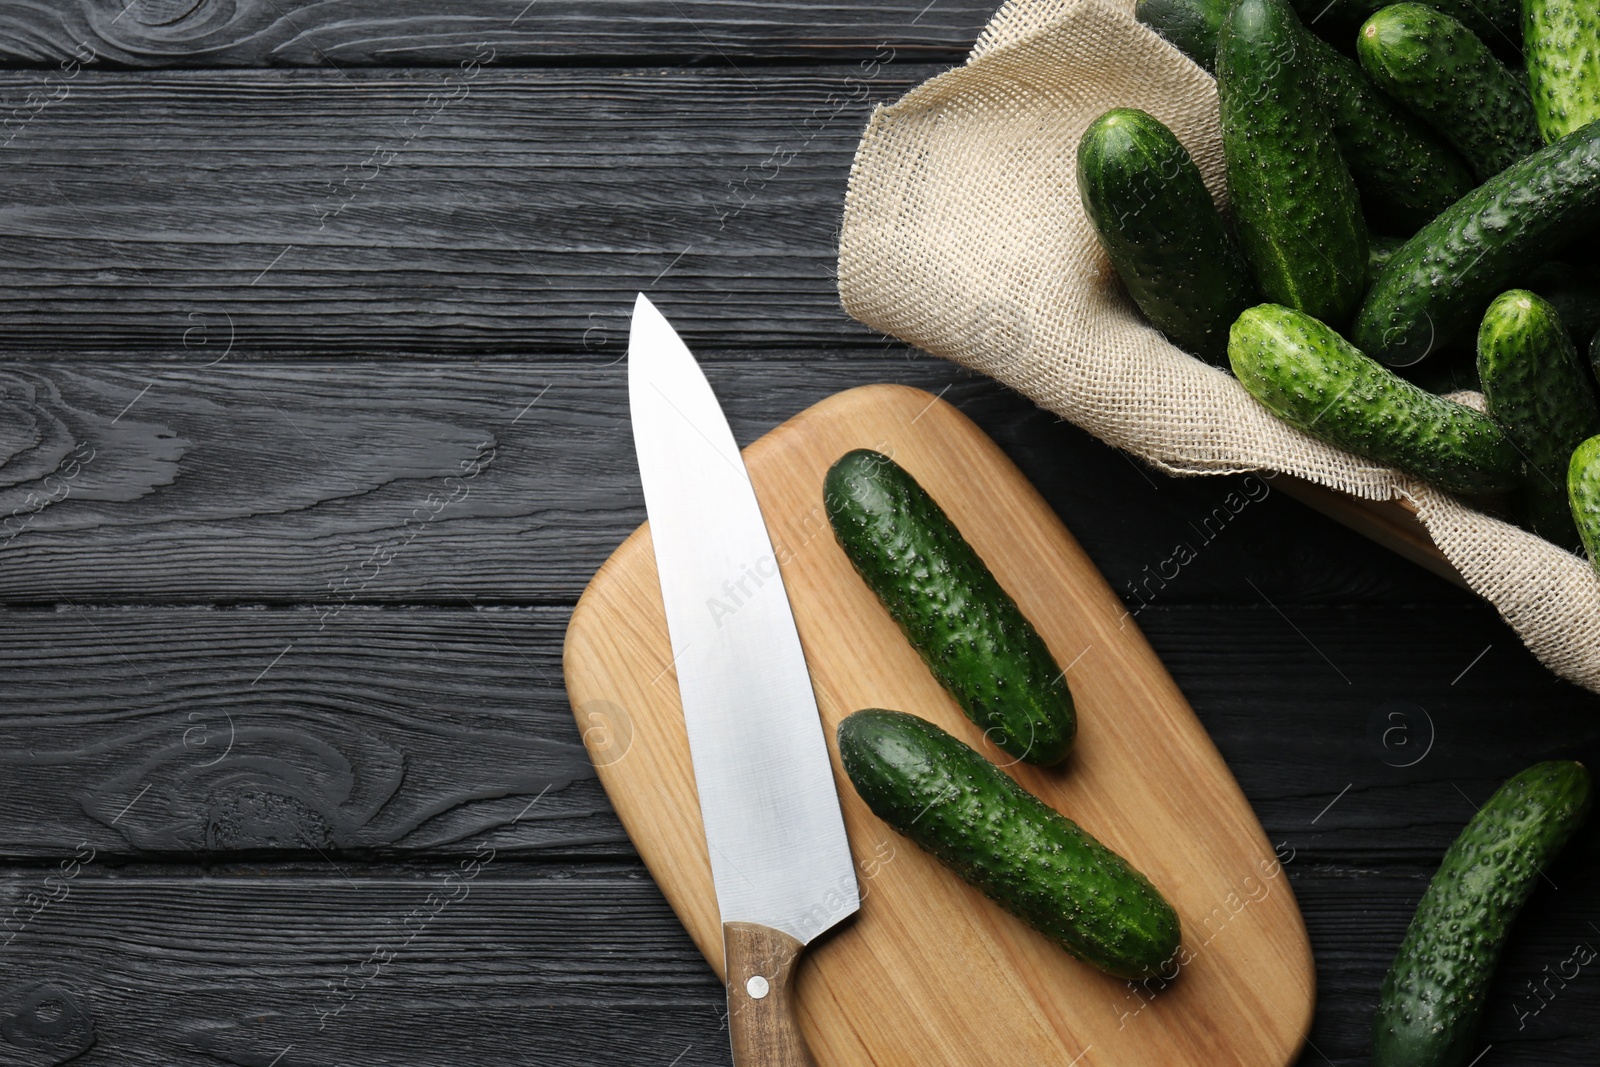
[[929, 965], [470, 961], [185, 731], [164, 34], [506, 212]]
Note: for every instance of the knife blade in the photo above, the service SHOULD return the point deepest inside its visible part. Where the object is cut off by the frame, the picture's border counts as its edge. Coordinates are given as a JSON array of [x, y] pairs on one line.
[[780, 859]]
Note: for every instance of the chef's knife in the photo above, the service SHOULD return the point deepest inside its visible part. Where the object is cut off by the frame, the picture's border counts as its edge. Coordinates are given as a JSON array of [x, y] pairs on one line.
[[779, 856]]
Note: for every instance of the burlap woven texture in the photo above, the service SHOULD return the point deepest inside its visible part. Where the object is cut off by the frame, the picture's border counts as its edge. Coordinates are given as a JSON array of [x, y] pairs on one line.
[[963, 235]]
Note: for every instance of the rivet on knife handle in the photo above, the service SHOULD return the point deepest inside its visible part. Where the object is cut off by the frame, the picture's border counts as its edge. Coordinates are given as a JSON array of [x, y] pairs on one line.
[[761, 1021]]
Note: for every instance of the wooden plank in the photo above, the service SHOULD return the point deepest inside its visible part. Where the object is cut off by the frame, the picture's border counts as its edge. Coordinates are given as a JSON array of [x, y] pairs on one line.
[[476, 961], [324, 213], [199, 731], [343, 482], [412, 33]]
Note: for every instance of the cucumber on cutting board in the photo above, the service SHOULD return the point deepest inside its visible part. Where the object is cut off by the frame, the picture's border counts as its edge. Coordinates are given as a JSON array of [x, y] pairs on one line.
[[1024, 855], [1435, 287], [1294, 202], [1315, 380], [1540, 393], [1157, 223], [967, 629], [1561, 39], [1441, 70], [1433, 995]]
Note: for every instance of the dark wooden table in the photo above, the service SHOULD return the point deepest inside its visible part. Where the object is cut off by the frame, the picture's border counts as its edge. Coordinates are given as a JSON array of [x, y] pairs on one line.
[[314, 428]]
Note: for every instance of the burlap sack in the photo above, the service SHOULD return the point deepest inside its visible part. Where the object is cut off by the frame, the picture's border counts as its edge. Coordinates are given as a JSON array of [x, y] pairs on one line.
[[964, 235]]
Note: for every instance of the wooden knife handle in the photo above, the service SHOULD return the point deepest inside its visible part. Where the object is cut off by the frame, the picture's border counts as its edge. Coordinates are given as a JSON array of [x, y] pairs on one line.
[[761, 1020]]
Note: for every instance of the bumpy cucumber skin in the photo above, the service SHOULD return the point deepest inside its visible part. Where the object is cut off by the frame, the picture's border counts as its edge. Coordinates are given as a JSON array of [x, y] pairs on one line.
[[1156, 221], [1380, 250], [1441, 70], [1294, 203], [1434, 288], [1190, 26], [968, 630], [1561, 39], [1313, 379], [1405, 173], [1540, 393], [1583, 494], [1027, 857], [1433, 995]]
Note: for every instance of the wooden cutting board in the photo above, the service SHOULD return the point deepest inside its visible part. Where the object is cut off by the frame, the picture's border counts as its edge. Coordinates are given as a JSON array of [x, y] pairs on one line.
[[931, 972]]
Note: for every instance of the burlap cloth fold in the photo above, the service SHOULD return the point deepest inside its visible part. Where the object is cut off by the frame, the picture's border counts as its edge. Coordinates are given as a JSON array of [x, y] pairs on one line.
[[963, 235]]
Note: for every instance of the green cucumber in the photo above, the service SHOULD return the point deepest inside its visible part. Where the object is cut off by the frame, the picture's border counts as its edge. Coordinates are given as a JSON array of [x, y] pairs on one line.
[[1435, 287], [1156, 221], [1583, 494], [1540, 393], [1441, 70], [1315, 380], [1027, 857], [967, 629], [1433, 995], [1562, 42], [1190, 26], [1294, 203], [1405, 173], [1497, 22]]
